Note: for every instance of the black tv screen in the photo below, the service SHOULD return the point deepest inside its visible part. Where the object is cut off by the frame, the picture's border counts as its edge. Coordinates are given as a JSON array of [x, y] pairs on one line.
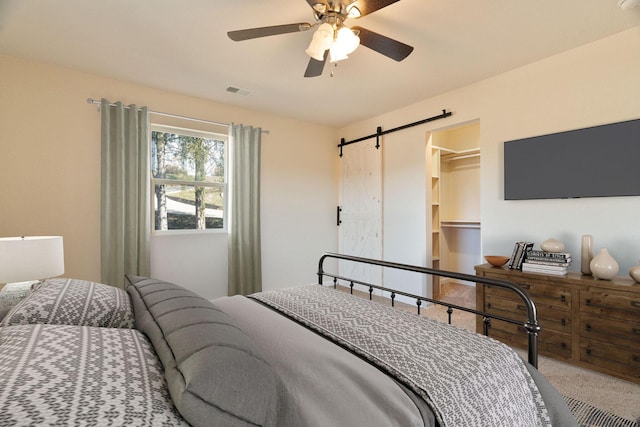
[[598, 161]]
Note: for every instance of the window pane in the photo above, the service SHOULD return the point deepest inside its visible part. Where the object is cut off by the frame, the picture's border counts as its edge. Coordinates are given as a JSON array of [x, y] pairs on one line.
[[185, 207], [187, 158]]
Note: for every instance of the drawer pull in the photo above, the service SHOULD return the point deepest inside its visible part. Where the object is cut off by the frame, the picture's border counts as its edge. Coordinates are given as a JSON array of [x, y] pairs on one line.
[[635, 304], [563, 345], [563, 322], [635, 331], [588, 351], [588, 327], [563, 298], [636, 358], [587, 302], [489, 305]]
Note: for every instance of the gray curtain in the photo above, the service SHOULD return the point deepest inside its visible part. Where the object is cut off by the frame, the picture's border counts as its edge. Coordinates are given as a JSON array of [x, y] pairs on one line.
[[245, 254], [125, 229]]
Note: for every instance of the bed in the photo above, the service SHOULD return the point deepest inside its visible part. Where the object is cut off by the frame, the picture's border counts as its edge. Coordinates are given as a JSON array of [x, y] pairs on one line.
[[74, 352]]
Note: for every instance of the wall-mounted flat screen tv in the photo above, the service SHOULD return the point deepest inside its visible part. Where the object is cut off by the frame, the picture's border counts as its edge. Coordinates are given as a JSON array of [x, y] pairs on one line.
[[600, 161]]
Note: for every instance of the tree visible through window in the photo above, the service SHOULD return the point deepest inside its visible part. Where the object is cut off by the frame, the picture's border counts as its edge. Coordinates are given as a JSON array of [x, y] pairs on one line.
[[188, 179]]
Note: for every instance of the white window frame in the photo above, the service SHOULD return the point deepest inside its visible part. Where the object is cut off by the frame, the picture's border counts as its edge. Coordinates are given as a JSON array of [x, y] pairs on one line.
[[225, 186]]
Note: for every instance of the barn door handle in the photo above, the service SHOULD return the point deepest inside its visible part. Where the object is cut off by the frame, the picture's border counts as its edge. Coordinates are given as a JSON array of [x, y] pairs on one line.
[[338, 220], [635, 303]]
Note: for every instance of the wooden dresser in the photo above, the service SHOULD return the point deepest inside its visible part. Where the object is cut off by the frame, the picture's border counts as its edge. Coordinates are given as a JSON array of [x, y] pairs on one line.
[[585, 321]]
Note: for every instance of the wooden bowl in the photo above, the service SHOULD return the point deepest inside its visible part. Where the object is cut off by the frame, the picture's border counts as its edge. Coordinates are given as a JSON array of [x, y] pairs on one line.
[[496, 260]]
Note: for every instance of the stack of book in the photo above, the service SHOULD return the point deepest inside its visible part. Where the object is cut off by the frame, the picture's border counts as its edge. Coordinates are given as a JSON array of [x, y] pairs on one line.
[[538, 261], [519, 252]]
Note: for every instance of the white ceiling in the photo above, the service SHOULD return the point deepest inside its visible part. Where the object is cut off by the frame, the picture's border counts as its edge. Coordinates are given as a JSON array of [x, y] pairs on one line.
[[182, 46]]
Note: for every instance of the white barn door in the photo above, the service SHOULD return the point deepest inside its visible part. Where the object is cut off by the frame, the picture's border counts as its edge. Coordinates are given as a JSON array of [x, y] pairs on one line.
[[360, 230]]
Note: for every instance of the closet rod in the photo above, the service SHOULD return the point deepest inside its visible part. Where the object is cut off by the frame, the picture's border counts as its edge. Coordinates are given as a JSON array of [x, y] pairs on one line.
[[380, 132], [158, 113]]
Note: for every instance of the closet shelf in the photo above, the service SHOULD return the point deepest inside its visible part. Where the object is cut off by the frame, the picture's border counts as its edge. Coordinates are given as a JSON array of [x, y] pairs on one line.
[[448, 155], [459, 223]]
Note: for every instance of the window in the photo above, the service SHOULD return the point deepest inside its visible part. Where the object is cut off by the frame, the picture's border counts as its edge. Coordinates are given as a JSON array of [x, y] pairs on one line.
[[188, 179]]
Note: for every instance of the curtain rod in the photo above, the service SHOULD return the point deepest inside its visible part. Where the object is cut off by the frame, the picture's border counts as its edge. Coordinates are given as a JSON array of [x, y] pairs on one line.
[[159, 113], [380, 132]]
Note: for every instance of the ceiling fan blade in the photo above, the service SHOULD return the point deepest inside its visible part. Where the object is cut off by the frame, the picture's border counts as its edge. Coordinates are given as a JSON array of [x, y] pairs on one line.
[[315, 67], [382, 44], [369, 6], [253, 33]]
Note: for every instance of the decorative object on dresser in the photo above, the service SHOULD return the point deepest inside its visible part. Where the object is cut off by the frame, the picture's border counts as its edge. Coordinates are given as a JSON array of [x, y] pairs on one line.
[[586, 254], [634, 272], [540, 261], [552, 245], [496, 260], [585, 321], [603, 266]]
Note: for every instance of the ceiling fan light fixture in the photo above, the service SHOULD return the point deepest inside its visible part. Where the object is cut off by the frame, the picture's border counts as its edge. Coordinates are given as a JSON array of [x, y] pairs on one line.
[[345, 43], [322, 40], [320, 7], [336, 54], [353, 11]]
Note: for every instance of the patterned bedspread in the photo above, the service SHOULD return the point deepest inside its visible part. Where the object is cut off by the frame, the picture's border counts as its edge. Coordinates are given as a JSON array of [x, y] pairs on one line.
[[116, 378], [466, 378]]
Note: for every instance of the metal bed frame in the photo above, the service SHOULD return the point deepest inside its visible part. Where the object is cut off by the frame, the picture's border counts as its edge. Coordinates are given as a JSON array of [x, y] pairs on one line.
[[530, 324]]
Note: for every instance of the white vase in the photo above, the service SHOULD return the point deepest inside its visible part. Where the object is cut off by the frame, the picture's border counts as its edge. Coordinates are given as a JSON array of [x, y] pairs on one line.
[[634, 272], [603, 266], [587, 254]]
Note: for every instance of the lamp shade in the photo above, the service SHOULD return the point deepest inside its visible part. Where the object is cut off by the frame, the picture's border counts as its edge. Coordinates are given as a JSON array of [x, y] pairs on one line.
[[322, 39], [30, 258]]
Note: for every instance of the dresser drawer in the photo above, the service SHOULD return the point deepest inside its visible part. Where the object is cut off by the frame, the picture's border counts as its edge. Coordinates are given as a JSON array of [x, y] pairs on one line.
[[555, 296], [616, 332], [549, 342], [610, 304], [612, 358], [548, 317]]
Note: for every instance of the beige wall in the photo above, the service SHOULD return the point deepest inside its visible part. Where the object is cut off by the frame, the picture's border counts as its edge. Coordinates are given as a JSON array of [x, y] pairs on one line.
[[591, 85], [50, 177]]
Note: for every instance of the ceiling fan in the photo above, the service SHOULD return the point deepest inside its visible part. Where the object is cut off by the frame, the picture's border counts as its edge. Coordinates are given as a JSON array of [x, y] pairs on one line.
[[332, 39]]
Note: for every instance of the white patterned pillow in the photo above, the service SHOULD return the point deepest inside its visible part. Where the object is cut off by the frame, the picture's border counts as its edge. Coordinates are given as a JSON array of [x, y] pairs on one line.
[[61, 375], [12, 293], [73, 302]]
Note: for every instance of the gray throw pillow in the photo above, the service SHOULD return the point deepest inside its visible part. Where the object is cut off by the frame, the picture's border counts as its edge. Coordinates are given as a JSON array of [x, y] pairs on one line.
[[215, 373]]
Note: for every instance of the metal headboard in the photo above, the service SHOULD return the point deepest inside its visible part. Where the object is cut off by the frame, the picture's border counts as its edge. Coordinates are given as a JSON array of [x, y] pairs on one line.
[[531, 324]]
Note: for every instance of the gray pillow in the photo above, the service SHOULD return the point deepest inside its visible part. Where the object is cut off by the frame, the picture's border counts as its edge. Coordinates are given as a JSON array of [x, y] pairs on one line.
[[73, 302], [215, 373]]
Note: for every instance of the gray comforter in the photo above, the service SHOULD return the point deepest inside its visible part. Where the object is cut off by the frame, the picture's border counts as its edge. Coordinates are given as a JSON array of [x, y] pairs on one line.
[[329, 385]]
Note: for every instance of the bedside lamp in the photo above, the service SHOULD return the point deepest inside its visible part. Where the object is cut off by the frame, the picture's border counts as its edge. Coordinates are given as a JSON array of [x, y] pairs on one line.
[[30, 258]]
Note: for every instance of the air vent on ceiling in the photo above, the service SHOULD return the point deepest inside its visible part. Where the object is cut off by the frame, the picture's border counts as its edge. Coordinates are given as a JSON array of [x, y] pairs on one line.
[[239, 91]]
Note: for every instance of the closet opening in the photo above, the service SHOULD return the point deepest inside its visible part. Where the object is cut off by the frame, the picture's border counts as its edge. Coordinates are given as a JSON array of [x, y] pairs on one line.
[[455, 229]]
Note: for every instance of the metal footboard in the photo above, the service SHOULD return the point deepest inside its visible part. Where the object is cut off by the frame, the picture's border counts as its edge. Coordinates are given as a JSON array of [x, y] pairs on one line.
[[531, 324]]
